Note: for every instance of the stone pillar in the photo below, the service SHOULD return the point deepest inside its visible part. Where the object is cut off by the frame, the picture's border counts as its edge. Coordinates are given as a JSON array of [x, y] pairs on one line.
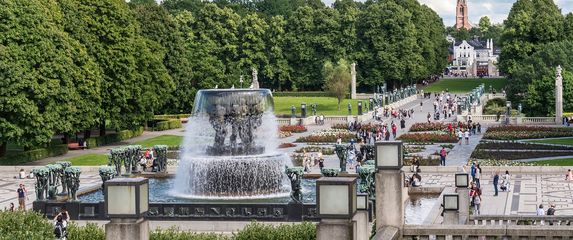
[[559, 96], [127, 229], [353, 82], [329, 229], [451, 217], [362, 225], [464, 211], [389, 199]]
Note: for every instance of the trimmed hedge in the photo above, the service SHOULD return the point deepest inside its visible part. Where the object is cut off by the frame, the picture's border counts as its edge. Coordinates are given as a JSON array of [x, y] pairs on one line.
[[304, 94], [171, 116], [113, 137], [34, 155], [33, 225], [168, 124]]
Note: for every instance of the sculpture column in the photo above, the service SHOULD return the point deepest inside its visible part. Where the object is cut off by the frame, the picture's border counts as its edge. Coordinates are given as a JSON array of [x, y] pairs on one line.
[[353, 82], [559, 96]]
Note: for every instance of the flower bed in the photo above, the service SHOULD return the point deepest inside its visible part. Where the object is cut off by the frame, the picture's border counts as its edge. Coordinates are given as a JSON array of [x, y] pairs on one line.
[[328, 136], [426, 127], [413, 149], [284, 134], [427, 138], [427, 161], [293, 128], [323, 150], [501, 163], [287, 145], [514, 155], [526, 132], [339, 126], [519, 146]]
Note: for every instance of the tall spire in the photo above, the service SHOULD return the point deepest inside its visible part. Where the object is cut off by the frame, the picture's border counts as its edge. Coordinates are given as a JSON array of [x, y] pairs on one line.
[[462, 16]]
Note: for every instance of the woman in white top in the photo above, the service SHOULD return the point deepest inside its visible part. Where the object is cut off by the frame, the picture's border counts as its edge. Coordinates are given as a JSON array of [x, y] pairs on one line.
[[506, 179], [467, 136]]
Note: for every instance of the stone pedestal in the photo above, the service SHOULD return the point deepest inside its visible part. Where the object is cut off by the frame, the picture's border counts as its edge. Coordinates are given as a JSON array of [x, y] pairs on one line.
[[451, 217], [389, 199], [362, 226], [464, 211], [353, 81], [127, 229], [330, 229]]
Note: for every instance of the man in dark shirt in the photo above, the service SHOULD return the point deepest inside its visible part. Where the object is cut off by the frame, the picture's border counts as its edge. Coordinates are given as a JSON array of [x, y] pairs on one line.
[[21, 197], [495, 182]]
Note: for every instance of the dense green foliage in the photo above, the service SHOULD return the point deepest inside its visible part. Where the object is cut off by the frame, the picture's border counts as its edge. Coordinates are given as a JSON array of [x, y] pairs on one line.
[[34, 155], [33, 225], [24, 225], [69, 66], [337, 79], [532, 47]]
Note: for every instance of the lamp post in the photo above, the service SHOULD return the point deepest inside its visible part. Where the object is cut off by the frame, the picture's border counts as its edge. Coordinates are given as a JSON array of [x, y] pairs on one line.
[[451, 203], [462, 181], [336, 206], [389, 186], [126, 204]]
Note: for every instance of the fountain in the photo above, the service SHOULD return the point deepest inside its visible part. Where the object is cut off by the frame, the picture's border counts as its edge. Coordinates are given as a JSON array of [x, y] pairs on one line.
[[229, 150]]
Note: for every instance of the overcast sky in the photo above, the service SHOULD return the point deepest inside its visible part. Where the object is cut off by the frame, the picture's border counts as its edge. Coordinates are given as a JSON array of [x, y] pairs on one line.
[[497, 10]]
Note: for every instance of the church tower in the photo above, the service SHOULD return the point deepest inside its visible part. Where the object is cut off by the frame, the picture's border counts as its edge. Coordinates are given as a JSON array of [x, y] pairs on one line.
[[462, 15]]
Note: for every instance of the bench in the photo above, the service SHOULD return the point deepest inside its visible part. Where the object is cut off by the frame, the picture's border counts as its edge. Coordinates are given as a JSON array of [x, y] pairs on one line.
[[75, 146]]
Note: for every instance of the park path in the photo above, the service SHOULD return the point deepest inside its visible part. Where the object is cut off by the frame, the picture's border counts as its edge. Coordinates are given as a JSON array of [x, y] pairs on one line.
[[105, 149]]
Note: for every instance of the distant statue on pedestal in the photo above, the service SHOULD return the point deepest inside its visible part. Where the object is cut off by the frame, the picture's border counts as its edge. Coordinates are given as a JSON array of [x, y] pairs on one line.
[[255, 79]]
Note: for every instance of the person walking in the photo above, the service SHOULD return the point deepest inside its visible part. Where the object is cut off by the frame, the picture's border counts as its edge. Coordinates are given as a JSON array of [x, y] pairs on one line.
[[505, 185], [467, 136], [541, 212], [551, 210], [443, 154], [569, 175], [22, 196], [477, 176], [394, 130], [473, 171], [460, 136], [476, 200], [495, 182], [421, 105]]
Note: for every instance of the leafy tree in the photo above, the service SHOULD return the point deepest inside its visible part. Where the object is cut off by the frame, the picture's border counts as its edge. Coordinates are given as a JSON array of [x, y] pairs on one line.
[[109, 31], [177, 6], [277, 73], [48, 83], [161, 27], [337, 79], [484, 24], [568, 27], [251, 44], [538, 70]]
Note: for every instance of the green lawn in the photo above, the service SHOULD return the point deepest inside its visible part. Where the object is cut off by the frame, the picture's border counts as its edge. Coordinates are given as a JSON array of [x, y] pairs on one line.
[[88, 160], [464, 85], [325, 105], [562, 141], [556, 162], [169, 140]]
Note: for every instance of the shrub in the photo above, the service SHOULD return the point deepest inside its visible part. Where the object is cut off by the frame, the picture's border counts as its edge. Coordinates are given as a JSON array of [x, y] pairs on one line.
[[167, 124], [303, 94], [287, 145], [174, 233], [327, 138], [323, 150], [24, 225], [34, 155], [303, 231], [90, 231]]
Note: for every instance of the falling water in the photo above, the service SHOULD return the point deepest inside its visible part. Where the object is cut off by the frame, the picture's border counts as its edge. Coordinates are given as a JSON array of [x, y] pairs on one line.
[[230, 148]]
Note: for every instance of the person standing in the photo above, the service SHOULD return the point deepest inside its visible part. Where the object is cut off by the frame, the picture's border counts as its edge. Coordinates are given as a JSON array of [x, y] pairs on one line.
[[476, 200], [467, 136], [22, 196], [402, 123], [394, 130], [477, 176], [541, 212], [495, 181], [473, 171], [569, 175], [460, 136], [443, 154], [421, 105], [551, 210]]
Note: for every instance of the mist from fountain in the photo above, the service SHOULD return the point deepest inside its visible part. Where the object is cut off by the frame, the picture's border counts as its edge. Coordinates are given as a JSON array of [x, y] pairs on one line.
[[230, 148]]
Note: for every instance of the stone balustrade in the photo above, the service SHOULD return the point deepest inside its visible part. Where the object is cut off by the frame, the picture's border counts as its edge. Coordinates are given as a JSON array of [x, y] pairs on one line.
[[489, 232], [521, 220], [512, 120]]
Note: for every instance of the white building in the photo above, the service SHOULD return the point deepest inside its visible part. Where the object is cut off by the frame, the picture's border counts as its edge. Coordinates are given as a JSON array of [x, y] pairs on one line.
[[474, 58]]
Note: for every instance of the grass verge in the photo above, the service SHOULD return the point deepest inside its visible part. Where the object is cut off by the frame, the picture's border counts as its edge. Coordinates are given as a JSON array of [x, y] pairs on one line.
[[169, 140], [88, 160], [325, 105], [561, 141], [464, 85]]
